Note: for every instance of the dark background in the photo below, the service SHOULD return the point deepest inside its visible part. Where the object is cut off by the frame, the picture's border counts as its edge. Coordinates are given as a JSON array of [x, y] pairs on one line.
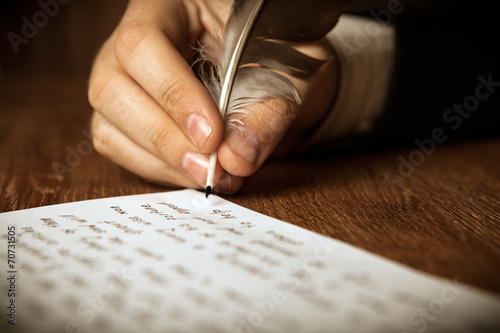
[[66, 45], [441, 51]]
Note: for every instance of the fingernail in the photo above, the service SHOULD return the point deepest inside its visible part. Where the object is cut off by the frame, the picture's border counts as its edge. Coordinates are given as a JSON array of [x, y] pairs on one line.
[[199, 128], [195, 165], [245, 144], [224, 184]]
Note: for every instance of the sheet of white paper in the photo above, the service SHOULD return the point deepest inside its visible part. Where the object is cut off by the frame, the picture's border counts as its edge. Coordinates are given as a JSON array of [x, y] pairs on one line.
[[177, 262]]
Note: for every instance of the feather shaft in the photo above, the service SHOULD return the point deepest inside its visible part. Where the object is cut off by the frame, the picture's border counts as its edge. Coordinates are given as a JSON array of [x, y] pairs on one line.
[[235, 59], [228, 83]]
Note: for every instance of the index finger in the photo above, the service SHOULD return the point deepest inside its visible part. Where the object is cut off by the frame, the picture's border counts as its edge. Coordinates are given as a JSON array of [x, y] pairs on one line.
[[153, 61]]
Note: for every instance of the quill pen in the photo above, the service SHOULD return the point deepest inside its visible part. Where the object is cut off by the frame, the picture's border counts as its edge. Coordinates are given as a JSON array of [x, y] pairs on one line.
[[249, 67]]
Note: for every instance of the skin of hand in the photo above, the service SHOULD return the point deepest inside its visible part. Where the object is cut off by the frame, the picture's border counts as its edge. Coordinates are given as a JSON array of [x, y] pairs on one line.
[[155, 118]]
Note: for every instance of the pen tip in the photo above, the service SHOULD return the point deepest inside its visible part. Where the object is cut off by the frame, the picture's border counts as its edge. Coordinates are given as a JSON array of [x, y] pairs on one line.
[[208, 191]]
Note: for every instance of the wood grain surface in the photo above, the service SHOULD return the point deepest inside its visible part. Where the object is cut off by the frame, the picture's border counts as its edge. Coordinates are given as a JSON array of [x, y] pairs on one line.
[[443, 218]]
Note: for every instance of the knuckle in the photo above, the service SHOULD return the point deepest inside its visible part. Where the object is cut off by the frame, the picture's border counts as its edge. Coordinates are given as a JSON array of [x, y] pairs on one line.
[[279, 114], [99, 83], [100, 135], [128, 38], [162, 182], [272, 118], [158, 137], [171, 93], [279, 117]]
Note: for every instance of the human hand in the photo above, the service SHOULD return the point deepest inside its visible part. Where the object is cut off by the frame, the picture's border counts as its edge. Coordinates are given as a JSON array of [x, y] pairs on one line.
[[154, 117]]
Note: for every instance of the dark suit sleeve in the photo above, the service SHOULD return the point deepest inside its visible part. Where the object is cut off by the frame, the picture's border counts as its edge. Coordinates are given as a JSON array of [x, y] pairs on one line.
[[446, 73]]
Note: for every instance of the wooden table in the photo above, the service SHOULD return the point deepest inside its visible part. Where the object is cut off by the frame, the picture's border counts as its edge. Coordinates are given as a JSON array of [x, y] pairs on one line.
[[442, 219]]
